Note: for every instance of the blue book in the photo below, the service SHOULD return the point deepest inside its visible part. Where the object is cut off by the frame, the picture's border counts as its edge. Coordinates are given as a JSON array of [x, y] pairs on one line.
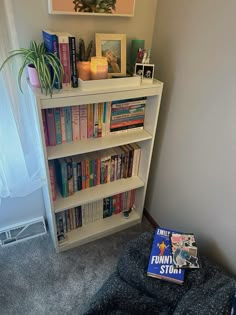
[[51, 44], [161, 262], [68, 123]]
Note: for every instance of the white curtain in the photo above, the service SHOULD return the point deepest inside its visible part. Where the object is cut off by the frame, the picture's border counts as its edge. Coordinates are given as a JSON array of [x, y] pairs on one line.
[[21, 167]]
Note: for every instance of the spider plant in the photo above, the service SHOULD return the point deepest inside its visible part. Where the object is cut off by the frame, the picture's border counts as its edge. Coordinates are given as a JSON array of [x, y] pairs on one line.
[[47, 65]]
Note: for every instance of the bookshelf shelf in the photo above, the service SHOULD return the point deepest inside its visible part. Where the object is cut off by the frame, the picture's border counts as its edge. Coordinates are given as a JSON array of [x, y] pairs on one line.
[[99, 229], [144, 139], [95, 144], [97, 192]]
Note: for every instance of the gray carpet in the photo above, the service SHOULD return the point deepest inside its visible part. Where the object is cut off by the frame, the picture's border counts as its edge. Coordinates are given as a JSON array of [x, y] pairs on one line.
[[35, 280]]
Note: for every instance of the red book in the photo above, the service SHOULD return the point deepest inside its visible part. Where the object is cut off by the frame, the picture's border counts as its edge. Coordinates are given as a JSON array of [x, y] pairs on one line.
[[51, 127], [64, 53]]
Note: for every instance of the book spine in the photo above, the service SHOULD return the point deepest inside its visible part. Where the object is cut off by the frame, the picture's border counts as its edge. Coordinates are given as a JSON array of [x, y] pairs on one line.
[[52, 179], [83, 121], [91, 173], [63, 42], [75, 123], [90, 121], [63, 127], [58, 125], [63, 178], [127, 122], [45, 128], [70, 176], [108, 118], [79, 173], [51, 127], [72, 49], [68, 123], [95, 120], [100, 119], [75, 175], [128, 127], [87, 170], [104, 119]]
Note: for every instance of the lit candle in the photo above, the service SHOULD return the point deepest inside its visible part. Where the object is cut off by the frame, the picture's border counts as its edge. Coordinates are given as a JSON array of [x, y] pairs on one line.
[[98, 68]]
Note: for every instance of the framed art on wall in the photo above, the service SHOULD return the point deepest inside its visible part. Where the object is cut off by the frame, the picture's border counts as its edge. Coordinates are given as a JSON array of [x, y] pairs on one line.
[[113, 47], [92, 7]]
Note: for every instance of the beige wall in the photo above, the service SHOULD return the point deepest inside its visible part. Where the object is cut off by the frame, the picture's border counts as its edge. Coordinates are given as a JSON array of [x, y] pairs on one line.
[[32, 16], [193, 175]]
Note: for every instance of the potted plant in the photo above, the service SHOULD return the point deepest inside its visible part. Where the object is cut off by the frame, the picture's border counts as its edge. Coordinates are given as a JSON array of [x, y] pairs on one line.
[[83, 59], [44, 69]]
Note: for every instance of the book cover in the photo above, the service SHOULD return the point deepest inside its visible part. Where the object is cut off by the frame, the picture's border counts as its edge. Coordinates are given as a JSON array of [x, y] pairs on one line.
[[50, 40], [184, 250], [161, 262]]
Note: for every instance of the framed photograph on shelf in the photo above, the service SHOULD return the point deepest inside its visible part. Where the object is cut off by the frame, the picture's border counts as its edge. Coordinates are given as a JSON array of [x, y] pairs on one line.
[[112, 46], [92, 7]]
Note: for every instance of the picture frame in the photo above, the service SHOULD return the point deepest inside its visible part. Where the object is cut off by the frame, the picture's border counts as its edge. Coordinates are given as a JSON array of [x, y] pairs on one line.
[[124, 8], [145, 71], [112, 46]]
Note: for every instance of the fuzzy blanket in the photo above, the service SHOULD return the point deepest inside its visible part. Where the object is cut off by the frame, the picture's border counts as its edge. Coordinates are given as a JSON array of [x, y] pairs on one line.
[[208, 290]]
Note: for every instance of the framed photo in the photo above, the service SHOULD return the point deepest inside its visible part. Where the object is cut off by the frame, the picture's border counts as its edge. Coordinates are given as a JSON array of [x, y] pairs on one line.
[[92, 7], [112, 46], [145, 71]]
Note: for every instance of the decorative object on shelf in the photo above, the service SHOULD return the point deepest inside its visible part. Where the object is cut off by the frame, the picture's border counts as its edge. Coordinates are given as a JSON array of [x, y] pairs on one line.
[[113, 47], [43, 68], [98, 68], [83, 59], [145, 71], [136, 45], [92, 7]]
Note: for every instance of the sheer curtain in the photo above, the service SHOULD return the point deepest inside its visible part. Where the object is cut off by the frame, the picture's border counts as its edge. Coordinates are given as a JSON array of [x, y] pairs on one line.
[[21, 166]]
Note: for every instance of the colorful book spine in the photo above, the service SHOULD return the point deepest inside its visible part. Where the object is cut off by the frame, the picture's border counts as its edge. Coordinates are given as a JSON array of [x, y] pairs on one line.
[[68, 123], [57, 117], [100, 119], [63, 44], [52, 179], [51, 127], [61, 171], [83, 121], [95, 120], [63, 126], [108, 118], [90, 121], [75, 123], [73, 68]]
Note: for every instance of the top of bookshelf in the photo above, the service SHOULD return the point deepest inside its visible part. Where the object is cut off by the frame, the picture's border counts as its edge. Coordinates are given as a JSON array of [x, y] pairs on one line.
[[108, 88]]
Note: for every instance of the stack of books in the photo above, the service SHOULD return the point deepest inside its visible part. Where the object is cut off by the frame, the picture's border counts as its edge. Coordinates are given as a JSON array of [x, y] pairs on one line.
[[63, 44], [172, 252]]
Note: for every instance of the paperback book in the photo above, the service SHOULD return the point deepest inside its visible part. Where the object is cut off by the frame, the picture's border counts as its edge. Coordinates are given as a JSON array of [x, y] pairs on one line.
[[184, 250], [161, 262]]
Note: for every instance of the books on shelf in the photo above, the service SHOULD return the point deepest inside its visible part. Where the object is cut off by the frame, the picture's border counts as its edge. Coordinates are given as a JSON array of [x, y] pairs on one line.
[[94, 120], [87, 170], [161, 262], [79, 216], [63, 44], [184, 250]]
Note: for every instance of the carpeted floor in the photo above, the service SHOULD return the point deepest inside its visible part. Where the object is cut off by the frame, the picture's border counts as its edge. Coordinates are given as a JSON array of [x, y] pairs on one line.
[[35, 280]]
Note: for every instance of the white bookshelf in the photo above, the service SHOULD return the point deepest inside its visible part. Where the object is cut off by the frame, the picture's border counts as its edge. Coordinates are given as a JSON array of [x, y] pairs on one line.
[[144, 138]]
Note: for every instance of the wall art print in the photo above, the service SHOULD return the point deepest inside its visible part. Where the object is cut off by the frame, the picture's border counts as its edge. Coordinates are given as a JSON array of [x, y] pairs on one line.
[[92, 7]]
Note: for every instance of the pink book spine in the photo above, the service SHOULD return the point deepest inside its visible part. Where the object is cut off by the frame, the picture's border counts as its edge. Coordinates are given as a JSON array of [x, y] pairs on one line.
[[65, 60], [83, 121], [63, 127], [75, 123], [45, 129]]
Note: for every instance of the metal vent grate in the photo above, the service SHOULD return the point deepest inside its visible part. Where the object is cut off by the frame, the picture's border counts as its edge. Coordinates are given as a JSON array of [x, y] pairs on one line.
[[23, 231]]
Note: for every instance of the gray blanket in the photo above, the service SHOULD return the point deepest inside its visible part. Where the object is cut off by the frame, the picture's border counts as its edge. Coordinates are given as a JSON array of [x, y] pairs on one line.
[[129, 290]]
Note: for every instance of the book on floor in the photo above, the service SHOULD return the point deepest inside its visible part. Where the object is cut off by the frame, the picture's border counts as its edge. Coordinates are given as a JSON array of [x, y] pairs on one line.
[[161, 262], [184, 250]]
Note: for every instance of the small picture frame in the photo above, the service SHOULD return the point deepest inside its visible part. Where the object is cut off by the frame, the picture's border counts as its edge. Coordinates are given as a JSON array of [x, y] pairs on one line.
[[145, 71], [112, 46]]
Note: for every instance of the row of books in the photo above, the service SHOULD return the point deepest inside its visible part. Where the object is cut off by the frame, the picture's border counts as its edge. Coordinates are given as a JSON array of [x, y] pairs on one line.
[[172, 252], [73, 123], [63, 44], [74, 218], [75, 173]]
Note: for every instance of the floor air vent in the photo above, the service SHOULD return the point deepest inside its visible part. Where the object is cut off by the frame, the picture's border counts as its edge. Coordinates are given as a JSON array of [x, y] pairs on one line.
[[21, 232]]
